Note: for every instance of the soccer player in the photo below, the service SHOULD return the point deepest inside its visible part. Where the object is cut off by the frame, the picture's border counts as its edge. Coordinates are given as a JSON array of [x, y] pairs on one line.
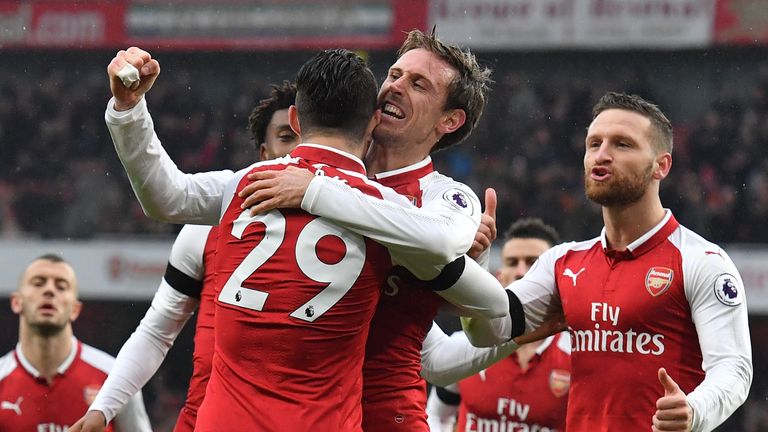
[[428, 103], [50, 378], [528, 389], [188, 281], [432, 98], [657, 313]]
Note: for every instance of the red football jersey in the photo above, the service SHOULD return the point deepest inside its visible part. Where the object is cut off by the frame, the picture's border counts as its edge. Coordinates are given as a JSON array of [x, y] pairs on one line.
[[506, 398], [30, 404], [633, 312], [202, 356], [394, 393], [292, 316]]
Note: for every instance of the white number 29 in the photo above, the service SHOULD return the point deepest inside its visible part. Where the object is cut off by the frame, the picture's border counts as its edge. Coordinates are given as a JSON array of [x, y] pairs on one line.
[[339, 276]]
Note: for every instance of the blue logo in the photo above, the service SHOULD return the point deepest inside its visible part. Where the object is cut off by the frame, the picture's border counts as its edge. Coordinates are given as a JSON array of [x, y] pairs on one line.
[[729, 289], [459, 199]]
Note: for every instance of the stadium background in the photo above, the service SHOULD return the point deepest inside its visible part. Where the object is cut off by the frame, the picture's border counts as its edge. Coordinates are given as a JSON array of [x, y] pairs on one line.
[[62, 188]]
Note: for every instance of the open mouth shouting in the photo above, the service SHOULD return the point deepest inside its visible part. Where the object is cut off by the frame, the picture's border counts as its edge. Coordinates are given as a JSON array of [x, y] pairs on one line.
[[392, 111]]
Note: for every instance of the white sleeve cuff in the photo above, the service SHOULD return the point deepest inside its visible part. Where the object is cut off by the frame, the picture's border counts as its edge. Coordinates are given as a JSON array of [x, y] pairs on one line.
[[115, 117]]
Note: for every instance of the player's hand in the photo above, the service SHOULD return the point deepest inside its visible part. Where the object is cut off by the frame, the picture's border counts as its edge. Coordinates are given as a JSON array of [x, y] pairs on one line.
[[553, 323], [126, 98], [275, 189], [672, 410], [486, 233], [92, 421]]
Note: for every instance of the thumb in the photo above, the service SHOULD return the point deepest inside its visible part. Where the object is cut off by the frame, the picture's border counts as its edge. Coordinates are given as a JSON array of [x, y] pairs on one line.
[[670, 386], [490, 202]]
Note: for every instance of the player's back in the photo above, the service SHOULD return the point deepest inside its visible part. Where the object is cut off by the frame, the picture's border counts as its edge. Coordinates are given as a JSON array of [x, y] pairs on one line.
[[297, 297]]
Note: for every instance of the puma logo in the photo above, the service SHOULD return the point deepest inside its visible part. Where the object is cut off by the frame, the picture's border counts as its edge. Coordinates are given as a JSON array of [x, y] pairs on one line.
[[16, 407], [568, 272]]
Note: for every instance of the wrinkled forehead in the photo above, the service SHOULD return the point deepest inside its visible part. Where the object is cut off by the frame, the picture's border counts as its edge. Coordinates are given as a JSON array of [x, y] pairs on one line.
[[426, 64]]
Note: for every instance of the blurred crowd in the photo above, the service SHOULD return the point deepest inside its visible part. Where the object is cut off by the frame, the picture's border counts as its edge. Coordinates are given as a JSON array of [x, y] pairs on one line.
[[59, 177]]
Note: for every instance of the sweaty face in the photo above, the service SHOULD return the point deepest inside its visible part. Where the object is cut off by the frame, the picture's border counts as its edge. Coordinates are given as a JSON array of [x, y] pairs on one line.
[[412, 98], [47, 297], [517, 256], [279, 139], [619, 158]]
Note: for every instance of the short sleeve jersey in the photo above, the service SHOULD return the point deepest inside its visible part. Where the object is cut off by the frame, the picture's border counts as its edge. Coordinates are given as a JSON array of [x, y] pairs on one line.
[[630, 313], [30, 404], [394, 393], [297, 296], [505, 397]]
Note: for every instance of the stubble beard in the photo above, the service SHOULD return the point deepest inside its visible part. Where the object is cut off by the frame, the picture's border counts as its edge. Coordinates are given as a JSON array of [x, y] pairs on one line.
[[44, 327], [619, 191]]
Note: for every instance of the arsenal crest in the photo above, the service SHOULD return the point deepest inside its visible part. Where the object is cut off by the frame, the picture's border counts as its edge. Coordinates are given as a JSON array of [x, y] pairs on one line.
[[559, 382], [658, 280], [90, 392]]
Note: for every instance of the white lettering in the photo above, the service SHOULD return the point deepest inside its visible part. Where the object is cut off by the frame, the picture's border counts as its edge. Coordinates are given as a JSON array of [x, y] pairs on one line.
[[522, 411], [630, 341], [606, 312], [642, 341], [51, 427], [501, 424]]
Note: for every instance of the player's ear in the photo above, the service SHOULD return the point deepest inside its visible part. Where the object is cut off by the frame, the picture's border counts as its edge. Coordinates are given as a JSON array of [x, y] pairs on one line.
[[262, 152], [662, 165], [451, 121], [293, 119], [76, 308], [16, 303]]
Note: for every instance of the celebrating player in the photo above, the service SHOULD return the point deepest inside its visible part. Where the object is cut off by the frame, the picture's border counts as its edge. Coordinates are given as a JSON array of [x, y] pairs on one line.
[[188, 280], [527, 389], [432, 98], [657, 313], [169, 194], [48, 381]]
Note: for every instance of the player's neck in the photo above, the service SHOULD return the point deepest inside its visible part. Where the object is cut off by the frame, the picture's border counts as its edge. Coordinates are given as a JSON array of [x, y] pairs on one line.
[[387, 157], [625, 224], [338, 142], [46, 353]]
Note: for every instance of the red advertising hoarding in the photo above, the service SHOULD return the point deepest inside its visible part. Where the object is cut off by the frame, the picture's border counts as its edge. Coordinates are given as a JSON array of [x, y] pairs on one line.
[[741, 22], [61, 24], [218, 24]]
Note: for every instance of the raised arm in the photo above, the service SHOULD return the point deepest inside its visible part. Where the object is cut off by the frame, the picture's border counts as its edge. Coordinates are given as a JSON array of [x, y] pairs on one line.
[[165, 192]]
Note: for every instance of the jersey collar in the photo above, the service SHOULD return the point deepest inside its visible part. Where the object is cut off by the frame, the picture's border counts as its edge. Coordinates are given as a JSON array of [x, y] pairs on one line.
[[405, 175], [330, 156], [62, 367], [647, 241]]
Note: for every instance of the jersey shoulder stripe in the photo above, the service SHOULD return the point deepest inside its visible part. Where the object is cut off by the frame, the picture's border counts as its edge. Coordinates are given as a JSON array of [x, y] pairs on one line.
[[7, 365], [97, 358]]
